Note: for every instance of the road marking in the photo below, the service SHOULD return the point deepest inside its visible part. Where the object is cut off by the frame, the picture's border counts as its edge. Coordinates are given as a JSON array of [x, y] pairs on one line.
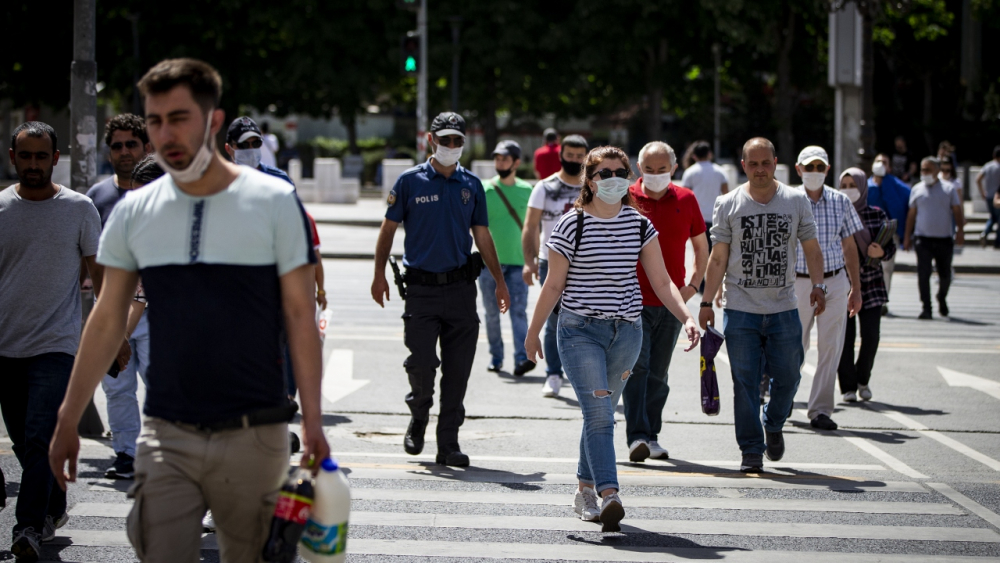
[[338, 377], [971, 505], [959, 379], [101, 509], [879, 454], [935, 435]]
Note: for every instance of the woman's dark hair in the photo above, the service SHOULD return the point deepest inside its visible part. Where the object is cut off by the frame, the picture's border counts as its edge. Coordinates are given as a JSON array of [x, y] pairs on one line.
[[594, 159], [145, 171]]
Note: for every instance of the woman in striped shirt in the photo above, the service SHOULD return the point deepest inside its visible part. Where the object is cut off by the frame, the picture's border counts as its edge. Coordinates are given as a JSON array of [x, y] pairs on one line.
[[592, 267]]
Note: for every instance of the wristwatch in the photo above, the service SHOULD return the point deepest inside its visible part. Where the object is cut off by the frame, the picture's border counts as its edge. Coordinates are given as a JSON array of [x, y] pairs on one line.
[[821, 286], [706, 304]]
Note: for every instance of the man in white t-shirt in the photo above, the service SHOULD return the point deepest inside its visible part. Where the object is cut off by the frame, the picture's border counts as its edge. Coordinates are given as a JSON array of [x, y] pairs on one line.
[[269, 146], [707, 180], [550, 199]]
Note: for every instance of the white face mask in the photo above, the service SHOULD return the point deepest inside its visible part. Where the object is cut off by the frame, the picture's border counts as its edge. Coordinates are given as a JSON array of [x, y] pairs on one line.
[[247, 157], [853, 194], [656, 183], [878, 169], [199, 164], [612, 190], [446, 156], [813, 180], [928, 179]]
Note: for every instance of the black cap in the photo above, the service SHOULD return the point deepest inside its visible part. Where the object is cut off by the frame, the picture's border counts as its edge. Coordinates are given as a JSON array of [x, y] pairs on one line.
[[241, 129], [448, 123], [508, 148]]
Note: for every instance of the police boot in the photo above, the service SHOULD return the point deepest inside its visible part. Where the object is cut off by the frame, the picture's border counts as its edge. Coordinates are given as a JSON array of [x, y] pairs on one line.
[[413, 443], [452, 456]]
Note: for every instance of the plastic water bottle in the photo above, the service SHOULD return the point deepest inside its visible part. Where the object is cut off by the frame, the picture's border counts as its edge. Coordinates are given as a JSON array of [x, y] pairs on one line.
[[325, 536], [295, 502]]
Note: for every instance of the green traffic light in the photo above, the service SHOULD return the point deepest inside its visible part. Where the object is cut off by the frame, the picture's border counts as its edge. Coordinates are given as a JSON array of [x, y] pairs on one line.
[[411, 64]]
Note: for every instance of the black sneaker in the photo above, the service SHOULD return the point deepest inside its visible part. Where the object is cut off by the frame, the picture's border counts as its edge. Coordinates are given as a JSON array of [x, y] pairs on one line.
[[775, 445], [495, 367], [524, 367], [413, 443], [454, 458], [926, 316], [823, 422], [123, 467], [943, 307], [752, 463]]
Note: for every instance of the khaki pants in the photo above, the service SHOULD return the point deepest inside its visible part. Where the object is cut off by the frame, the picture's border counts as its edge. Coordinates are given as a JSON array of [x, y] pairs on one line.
[[830, 327], [180, 473]]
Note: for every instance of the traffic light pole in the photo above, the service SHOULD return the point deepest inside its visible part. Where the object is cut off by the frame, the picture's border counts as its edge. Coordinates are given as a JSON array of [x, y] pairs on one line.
[[422, 84]]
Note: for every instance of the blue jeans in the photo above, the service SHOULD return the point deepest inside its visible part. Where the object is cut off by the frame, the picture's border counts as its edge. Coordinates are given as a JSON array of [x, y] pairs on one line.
[[646, 395], [518, 312], [33, 388], [750, 339], [599, 357], [550, 346], [123, 406], [994, 219]]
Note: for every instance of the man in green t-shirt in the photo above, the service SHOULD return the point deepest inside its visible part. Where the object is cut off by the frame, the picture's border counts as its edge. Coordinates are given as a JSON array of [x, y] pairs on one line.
[[507, 202]]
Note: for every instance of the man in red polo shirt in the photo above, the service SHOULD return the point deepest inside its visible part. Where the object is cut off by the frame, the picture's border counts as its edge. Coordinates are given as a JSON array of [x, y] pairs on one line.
[[674, 212], [547, 157]]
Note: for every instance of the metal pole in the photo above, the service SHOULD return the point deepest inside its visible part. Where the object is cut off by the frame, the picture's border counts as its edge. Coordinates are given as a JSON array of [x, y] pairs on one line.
[[83, 97], [422, 83], [718, 95]]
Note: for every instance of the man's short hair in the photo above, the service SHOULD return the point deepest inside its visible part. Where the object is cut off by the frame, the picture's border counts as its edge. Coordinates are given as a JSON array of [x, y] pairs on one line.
[[575, 141], [200, 77], [126, 122], [757, 143], [657, 147], [701, 149], [996, 151], [550, 135], [931, 159], [34, 129]]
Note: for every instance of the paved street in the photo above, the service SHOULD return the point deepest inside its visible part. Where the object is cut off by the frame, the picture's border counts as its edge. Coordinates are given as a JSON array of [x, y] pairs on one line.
[[912, 476]]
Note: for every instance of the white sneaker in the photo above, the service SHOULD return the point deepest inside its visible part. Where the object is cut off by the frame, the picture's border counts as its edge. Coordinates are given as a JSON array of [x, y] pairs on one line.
[[51, 525], [865, 392], [638, 451], [585, 504], [208, 523], [656, 451], [551, 386], [612, 513], [850, 397]]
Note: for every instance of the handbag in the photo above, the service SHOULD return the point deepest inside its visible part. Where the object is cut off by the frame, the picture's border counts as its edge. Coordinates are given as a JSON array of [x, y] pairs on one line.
[[711, 342]]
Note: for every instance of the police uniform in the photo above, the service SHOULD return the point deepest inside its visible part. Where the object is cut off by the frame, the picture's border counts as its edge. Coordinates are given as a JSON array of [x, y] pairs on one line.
[[437, 213]]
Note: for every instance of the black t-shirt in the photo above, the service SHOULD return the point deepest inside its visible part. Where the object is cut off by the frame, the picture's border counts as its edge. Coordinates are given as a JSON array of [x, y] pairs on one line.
[[105, 195]]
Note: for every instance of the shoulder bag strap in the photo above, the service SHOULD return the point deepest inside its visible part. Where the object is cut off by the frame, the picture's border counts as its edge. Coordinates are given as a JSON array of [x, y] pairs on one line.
[[510, 208]]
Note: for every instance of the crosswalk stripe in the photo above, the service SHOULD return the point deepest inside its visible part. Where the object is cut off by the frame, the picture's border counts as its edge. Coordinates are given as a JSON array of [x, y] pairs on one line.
[[968, 503], [109, 538]]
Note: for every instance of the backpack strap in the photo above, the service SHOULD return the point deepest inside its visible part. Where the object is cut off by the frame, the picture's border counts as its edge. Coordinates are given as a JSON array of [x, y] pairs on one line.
[[643, 226], [579, 231]]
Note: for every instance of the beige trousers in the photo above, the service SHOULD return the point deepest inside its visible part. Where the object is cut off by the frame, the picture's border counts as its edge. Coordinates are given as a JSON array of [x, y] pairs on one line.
[[830, 328], [180, 473]]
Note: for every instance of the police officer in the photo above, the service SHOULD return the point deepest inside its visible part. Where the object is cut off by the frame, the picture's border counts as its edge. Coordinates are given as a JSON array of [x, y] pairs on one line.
[[440, 201], [243, 144]]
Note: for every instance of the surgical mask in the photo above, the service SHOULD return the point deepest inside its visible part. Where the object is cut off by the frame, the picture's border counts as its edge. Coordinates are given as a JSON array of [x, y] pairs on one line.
[[943, 176], [571, 168], [853, 194], [505, 173], [928, 179], [447, 156], [813, 180], [199, 164], [612, 190], [878, 169], [655, 183], [247, 157]]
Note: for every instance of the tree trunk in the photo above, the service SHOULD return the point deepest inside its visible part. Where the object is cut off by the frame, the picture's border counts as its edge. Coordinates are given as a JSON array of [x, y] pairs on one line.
[[350, 120], [784, 96], [489, 122], [656, 58]]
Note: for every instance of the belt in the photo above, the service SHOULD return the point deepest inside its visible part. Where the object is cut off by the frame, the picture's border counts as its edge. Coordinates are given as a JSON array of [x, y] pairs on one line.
[[421, 277], [271, 415], [825, 274]]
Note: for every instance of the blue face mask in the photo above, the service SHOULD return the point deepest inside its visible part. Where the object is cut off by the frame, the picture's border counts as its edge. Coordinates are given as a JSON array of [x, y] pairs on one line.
[[612, 190]]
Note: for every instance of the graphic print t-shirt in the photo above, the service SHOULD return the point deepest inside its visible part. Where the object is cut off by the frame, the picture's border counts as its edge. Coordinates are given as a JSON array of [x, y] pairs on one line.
[[555, 198], [760, 276]]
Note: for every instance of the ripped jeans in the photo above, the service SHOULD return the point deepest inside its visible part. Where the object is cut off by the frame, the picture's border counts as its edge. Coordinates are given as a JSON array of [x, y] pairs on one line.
[[597, 356]]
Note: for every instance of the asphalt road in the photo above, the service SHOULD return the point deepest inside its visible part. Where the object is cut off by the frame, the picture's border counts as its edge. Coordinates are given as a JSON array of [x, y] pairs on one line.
[[911, 476]]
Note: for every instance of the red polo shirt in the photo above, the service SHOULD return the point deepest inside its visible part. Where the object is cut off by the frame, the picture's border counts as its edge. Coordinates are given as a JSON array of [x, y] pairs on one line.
[[676, 217], [547, 161]]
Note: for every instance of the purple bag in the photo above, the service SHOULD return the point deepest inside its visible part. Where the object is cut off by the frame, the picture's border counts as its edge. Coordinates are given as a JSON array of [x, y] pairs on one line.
[[711, 342]]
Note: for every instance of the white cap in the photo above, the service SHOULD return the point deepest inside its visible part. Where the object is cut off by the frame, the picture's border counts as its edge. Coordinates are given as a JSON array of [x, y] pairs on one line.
[[812, 153]]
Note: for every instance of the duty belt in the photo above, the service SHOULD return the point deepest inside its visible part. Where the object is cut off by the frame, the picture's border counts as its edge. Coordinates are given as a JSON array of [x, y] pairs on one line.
[[825, 274], [272, 415], [467, 273]]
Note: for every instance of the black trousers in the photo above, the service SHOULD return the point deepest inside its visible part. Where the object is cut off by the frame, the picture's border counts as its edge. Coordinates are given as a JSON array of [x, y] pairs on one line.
[[446, 313], [941, 251], [851, 372]]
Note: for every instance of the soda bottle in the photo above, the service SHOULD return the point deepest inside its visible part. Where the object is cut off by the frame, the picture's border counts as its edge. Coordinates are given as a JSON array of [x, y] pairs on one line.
[[325, 537], [295, 503]]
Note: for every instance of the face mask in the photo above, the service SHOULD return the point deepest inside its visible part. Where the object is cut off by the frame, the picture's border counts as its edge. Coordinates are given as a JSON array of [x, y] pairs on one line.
[[247, 157], [612, 190], [196, 169], [447, 156], [655, 183], [571, 168], [928, 179], [853, 194], [942, 175], [813, 180], [505, 173], [878, 169]]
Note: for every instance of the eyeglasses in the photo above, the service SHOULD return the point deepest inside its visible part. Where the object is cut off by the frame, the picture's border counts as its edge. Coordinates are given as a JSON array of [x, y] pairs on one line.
[[814, 167], [130, 145], [607, 173], [451, 141], [254, 143]]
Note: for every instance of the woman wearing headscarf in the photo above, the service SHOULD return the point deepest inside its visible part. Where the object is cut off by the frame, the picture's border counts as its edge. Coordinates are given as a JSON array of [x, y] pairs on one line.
[[855, 374]]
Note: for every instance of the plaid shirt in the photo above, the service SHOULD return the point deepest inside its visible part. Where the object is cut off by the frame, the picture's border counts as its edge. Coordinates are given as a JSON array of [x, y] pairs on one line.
[[873, 292], [836, 220]]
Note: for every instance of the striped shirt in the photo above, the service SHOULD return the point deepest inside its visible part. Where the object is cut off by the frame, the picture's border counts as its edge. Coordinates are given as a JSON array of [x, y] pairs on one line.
[[602, 281], [836, 220]]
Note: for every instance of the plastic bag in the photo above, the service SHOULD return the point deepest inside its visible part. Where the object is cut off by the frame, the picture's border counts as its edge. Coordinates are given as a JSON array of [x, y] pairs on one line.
[[323, 319], [711, 342]]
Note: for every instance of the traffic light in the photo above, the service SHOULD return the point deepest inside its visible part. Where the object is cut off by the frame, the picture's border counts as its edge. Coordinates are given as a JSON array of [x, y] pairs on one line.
[[410, 54]]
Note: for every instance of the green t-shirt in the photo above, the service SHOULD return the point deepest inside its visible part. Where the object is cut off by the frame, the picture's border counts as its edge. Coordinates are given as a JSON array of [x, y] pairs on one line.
[[504, 230]]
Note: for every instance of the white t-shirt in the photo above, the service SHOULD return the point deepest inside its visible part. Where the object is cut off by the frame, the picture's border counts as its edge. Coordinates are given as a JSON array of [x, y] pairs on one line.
[[269, 148], [705, 179], [555, 198]]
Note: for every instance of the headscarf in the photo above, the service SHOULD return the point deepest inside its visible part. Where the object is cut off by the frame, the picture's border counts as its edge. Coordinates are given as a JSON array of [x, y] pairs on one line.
[[863, 238]]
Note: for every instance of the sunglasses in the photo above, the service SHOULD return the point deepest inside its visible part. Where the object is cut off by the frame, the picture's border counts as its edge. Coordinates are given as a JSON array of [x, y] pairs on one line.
[[451, 141], [608, 173], [254, 143], [130, 145], [814, 167]]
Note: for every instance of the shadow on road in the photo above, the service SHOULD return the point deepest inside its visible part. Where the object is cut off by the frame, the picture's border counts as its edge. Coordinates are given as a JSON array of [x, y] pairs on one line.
[[647, 538]]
